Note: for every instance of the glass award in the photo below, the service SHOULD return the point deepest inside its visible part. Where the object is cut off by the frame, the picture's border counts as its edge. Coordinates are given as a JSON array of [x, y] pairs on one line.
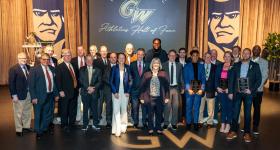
[[243, 84]]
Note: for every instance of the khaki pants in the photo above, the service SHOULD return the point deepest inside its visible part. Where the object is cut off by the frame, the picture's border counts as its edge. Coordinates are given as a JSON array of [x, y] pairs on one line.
[[22, 113], [172, 106], [210, 108]]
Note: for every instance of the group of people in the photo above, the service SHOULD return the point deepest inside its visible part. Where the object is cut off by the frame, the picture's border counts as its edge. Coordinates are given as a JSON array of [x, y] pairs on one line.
[[169, 87]]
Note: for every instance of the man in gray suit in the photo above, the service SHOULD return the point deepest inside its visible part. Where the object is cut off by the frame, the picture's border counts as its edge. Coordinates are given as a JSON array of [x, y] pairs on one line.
[[174, 70], [257, 99]]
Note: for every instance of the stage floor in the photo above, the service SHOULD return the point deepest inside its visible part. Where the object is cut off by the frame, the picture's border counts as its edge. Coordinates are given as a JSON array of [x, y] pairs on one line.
[[138, 139]]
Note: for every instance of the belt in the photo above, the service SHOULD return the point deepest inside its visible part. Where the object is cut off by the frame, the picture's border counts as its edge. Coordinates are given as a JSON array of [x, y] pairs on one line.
[[173, 86]]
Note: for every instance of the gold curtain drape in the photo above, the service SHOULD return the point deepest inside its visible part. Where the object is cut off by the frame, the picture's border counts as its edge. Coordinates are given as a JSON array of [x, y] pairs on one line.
[[16, 22], [258, 18]]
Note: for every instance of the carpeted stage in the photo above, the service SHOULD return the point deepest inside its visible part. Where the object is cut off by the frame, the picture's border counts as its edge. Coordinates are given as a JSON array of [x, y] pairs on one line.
[[138, 139]]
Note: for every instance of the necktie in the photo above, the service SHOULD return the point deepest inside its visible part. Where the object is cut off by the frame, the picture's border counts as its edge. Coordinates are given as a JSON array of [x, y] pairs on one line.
[[105, 62], [49, 79], [26, 73], [140, 69], [81, 63], [207, 71], [172, 73], [89, 75], [73, 76]]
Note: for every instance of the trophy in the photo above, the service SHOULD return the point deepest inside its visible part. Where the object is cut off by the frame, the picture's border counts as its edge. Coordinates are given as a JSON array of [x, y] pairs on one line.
[[223, 84], [243, 84], [195, 85]]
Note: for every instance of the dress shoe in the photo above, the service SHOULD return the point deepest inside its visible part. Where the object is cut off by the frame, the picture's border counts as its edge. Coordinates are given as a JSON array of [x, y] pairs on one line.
[[19, 133], [95, 127], [209, 126], [27, 130], [196, 127], [150, 132], [247, 138], [135, 126], [66, 129], [231, 135], [108, 126], [85, 128], [159, 131], [145, 126], [200, 125], [174, 127], [256, 131], [188, 126], [165, 127], [38, 136]]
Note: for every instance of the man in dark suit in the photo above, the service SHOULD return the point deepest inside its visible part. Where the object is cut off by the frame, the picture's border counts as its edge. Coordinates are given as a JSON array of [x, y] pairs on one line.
[[42, 90], [18, 87], [105, 90], [176, 87], [90, 82], [77, 63], [249, 72], [209, 94], [67, 87], [137, 69]]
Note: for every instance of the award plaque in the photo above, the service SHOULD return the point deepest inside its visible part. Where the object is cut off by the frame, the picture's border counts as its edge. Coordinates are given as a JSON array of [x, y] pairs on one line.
[[223, 84], [243, 84], [195, 85]]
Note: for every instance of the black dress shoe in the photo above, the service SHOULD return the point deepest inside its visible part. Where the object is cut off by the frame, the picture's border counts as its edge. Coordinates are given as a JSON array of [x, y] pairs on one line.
[[188, 126], [200, 125], [108, 126], [135, 126], [27, 130], [38, 136], [145, 127], [19, 133], [165, 127], [174, 127], [196, 127], [209, 126]]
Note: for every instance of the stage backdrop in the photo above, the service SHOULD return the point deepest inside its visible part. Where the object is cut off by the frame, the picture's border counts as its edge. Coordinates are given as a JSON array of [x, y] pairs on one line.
[[117, 22], [48, 23], [223, 25]]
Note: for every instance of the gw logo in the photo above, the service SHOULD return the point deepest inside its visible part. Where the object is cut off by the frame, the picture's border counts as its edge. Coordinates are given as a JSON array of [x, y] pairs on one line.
[[129, 8], [154, 142]]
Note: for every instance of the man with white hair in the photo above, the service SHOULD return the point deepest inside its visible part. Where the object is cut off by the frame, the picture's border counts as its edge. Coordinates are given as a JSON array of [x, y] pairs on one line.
[[18, 87], [130, 56]]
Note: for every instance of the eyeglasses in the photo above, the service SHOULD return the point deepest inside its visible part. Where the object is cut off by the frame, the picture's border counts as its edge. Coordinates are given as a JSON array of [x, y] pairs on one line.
[[45, 59]]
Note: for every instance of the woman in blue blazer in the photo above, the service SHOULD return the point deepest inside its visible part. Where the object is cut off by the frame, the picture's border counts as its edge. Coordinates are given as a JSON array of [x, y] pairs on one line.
[[223, 72], [120, 86]]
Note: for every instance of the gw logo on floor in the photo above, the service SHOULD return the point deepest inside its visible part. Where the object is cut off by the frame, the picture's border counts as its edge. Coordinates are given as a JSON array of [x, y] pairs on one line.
[[154, 140]]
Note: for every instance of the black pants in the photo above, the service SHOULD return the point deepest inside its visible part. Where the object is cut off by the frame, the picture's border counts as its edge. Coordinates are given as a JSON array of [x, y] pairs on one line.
[[90, 102], [257, 101], [105, 96], [68, 111], [155, 108]]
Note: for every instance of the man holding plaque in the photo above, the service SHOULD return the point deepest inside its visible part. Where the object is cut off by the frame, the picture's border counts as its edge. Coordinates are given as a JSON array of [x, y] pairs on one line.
[[194, 77], [243, 85]]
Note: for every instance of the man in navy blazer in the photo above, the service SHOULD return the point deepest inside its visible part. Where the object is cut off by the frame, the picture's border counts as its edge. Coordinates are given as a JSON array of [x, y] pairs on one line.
[[43, 91], [137, 70], [18, 87], [193, 71], [250, 70]]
